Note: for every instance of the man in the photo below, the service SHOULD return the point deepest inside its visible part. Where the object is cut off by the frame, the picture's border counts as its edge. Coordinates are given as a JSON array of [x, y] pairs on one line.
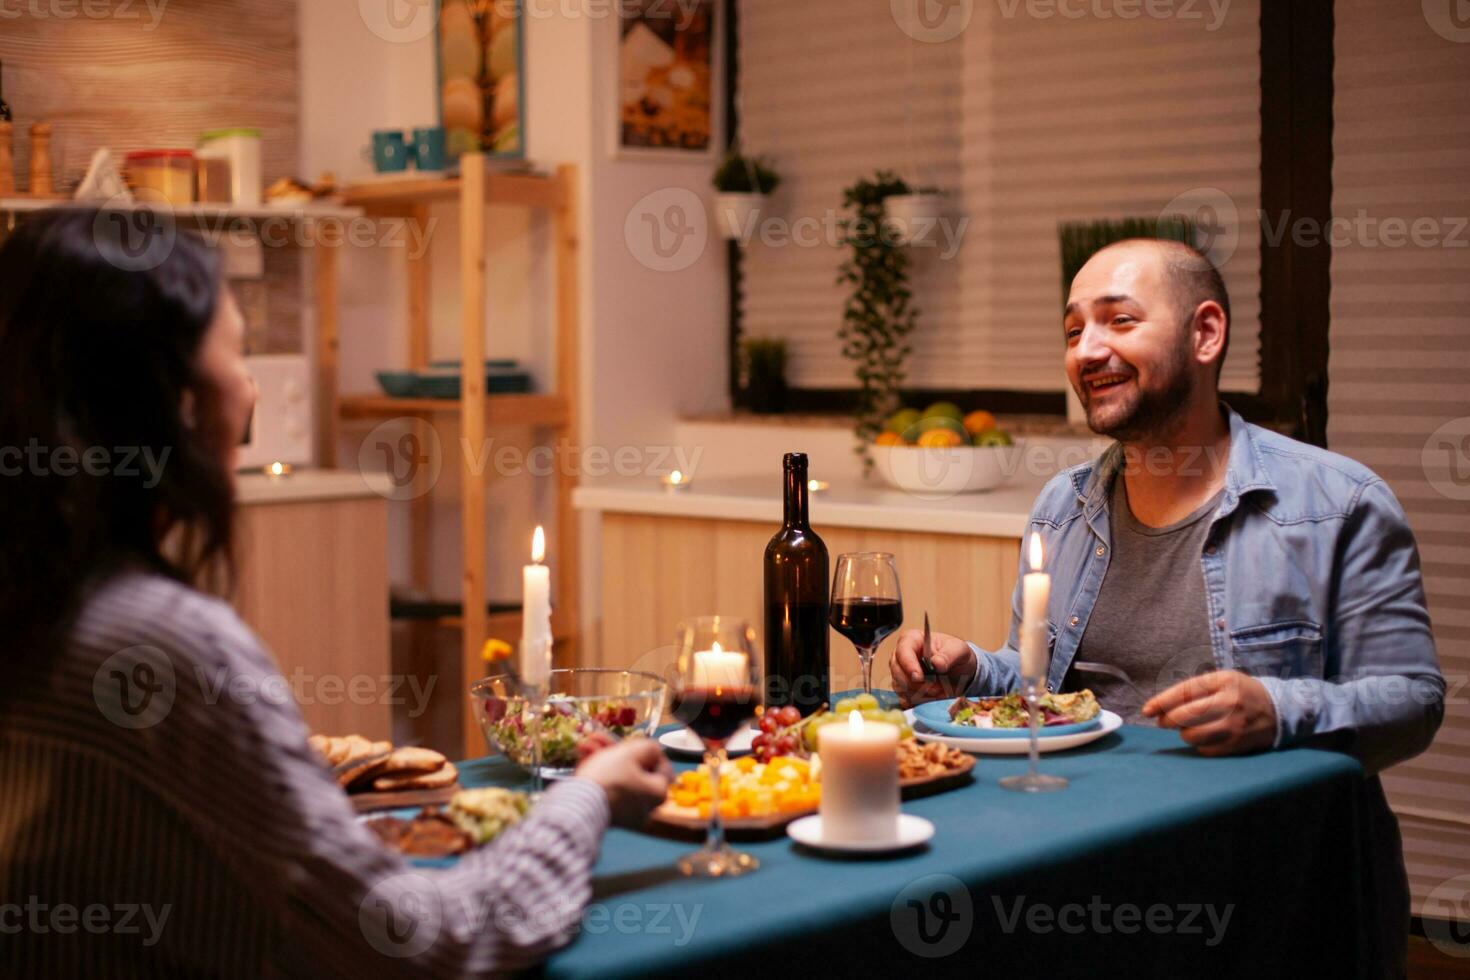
[[1258, 591]]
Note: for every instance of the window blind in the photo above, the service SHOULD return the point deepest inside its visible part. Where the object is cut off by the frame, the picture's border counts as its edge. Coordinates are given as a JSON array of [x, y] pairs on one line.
[[1400, 355], [1027, 121]]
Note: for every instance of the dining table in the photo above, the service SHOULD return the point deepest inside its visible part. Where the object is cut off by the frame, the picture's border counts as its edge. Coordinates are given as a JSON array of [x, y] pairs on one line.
[[1154, 861]]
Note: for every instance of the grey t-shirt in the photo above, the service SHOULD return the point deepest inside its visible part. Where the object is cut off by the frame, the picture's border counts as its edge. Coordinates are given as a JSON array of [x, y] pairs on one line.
[[1151, 618]]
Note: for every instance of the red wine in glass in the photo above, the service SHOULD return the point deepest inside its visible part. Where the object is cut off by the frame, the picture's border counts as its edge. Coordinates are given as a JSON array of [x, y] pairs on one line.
[[715, 713], [867, 620]]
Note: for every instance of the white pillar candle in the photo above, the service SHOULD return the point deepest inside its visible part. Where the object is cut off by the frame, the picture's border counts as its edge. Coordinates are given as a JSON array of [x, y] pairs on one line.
[[536, 614], [1035, 594], [719, 668], [860, 792]]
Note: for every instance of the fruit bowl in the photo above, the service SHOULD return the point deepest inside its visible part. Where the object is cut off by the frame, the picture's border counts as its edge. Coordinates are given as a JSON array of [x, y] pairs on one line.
[[938, 472], [586, 706]]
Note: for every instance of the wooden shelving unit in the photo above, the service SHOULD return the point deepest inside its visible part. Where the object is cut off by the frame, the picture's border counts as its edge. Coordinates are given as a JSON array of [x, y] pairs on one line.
[[553, 413]]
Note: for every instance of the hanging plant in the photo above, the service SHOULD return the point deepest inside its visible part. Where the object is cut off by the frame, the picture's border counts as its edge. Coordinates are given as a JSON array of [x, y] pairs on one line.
[[878, 315]]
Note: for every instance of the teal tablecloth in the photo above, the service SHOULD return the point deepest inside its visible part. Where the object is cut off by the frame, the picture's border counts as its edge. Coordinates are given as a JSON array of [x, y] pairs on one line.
[[1155, 861]]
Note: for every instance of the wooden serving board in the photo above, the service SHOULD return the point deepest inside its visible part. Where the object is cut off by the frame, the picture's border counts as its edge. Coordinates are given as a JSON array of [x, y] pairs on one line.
[[368, 802], [675, 821]]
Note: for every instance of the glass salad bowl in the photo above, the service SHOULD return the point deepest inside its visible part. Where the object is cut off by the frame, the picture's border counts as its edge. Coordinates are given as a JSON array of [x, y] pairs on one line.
[[586, 707]]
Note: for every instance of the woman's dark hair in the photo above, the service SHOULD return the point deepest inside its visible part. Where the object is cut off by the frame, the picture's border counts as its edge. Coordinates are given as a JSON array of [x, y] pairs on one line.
[[102, 314]]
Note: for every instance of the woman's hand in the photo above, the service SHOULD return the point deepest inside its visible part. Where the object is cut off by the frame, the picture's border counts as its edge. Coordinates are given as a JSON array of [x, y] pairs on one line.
[[954, 665], [635, 776]]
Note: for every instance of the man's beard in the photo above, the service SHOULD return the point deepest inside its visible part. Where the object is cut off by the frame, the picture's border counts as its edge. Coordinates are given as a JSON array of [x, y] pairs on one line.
[[1150, 414]]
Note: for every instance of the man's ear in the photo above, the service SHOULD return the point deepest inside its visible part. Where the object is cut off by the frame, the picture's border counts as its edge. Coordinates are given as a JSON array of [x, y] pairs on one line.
[[1209, 332]]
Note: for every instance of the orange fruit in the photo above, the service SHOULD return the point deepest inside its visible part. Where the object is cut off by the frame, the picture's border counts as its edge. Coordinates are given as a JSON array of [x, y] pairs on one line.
[[888, 439], [978, 422], [939, 439]]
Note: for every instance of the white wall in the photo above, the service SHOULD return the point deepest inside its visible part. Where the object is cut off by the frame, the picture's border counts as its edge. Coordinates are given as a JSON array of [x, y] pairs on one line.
[[652, 343]]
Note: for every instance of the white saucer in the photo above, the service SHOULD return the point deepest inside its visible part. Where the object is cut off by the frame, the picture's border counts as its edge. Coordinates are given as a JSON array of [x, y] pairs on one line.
[[685, 742], [1016, 746], [912, 831]]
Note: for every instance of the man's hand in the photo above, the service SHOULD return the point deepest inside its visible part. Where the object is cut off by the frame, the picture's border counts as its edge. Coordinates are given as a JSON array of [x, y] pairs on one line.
[[1223, 712], [954, 662], [635, 776]]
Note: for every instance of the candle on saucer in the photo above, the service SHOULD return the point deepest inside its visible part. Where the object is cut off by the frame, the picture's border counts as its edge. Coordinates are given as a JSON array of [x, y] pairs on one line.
[[536, 615], [1035, 593], [860, 792]]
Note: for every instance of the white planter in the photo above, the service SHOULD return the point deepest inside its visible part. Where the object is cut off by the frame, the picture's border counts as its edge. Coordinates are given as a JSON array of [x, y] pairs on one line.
[[737, 215], [914, 219]]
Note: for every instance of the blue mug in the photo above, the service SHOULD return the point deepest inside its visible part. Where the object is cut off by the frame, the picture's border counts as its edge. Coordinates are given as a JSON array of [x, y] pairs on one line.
[[390, 151], [429, 148]]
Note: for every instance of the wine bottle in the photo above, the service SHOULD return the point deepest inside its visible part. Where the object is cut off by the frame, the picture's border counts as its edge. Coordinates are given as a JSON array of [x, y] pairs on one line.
[[797, 596]]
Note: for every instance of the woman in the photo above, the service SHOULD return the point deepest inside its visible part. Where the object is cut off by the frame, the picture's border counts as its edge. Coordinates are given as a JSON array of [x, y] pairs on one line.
[[151, 824]]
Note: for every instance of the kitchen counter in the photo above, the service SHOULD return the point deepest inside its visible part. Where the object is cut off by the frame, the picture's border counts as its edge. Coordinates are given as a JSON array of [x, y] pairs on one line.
[[1001, 512]]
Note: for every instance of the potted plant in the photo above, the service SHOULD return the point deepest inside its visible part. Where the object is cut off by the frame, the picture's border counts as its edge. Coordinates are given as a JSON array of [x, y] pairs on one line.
[[913, 217], [763, 371], [743, 184], [877, 316]]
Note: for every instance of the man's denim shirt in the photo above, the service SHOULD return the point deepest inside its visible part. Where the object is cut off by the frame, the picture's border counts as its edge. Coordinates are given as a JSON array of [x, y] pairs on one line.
[[1312, 582]]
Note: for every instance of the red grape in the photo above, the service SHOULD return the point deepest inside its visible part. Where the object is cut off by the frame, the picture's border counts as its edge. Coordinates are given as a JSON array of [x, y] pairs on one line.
[[769, 723], [788, 716]]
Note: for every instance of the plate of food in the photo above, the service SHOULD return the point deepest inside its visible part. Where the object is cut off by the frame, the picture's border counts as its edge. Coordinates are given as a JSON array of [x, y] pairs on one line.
[[759, 797], [1008, 716], [1007, 731], [473, 818], [379, 776]]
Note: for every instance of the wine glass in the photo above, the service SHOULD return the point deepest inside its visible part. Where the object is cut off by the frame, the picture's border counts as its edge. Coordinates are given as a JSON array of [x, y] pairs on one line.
[[716, 690], [866, 604]]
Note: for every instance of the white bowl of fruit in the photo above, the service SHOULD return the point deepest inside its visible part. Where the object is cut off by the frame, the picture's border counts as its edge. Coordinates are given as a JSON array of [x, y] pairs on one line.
[[943, 451]]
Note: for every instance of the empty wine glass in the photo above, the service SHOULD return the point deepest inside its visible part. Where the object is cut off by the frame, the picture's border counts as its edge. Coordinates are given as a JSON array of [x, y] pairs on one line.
[[716, 690], [867, 605]]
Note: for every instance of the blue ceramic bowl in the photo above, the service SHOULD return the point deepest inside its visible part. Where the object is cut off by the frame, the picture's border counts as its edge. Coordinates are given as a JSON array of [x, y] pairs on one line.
[[935, 716], [399, 384]]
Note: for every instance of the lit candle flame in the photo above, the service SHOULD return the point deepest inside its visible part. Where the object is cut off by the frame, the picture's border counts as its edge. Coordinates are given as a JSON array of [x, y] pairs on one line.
[[676, 478], [1035, 552], [277, 469], [538, 545], [715, 647], [855, 721]]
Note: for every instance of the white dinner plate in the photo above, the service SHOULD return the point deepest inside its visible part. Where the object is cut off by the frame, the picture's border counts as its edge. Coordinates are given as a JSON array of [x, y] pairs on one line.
[[912, 831], [1016, 746], [683, 741]]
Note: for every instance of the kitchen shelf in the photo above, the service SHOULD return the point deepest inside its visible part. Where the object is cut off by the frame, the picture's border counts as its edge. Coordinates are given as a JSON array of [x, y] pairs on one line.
[[519, 409], [531, 190], [478, 186], [202, 212]]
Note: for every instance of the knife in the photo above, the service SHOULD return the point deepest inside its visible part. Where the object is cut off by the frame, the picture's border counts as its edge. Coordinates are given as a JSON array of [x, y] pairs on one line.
[[926, 655]]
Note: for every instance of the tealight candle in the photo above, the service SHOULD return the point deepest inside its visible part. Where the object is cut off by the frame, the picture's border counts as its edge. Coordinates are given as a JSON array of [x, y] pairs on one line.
[[860, 792], [674, 481], [1035, 593], [719, 668]]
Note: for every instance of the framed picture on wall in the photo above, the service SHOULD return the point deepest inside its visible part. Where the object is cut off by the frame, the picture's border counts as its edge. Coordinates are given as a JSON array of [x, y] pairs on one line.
[[669, 89], [481, 84]]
